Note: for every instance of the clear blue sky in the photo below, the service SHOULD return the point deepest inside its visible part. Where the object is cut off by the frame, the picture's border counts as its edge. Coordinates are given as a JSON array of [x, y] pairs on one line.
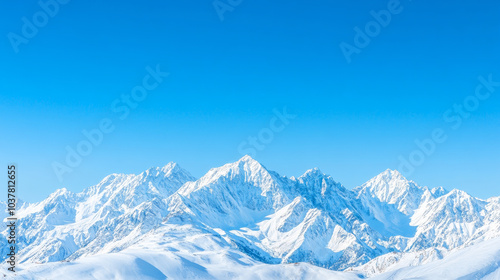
[[353, 120]]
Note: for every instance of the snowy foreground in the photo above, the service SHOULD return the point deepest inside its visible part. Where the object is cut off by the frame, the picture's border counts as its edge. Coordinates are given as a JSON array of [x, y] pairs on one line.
[[242, 221], [476, 262], [187, 261]]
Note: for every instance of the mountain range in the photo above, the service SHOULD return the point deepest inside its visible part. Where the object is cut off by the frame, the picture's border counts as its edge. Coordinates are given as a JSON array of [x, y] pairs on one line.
[[243, 221]]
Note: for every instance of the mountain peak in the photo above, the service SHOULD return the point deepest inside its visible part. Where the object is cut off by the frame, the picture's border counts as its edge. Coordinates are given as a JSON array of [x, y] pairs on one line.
[[172, 168], [392, 174], [62, 192], [248, 165], [392, 187], [388, 179], [247, 159], [392, 180], [246, 168], [456, 193], [438, 191], [314, 172], [245, 163]]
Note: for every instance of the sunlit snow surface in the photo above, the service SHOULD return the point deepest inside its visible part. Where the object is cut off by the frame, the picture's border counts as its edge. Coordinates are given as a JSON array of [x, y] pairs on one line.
[[242, 221], [204, 258]]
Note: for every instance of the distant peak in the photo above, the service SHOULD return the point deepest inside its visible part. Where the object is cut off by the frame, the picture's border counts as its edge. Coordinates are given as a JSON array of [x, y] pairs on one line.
[[60, 191], [458, 193], [312, 172], [390, 175], [246, 169], [248, 162], [247, 158], [169, 169], [244, 163], [171, 166], [438, 191], [390, 182]]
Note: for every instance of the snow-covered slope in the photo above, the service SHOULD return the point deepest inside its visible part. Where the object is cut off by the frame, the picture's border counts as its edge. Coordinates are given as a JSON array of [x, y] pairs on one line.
[[242, 215], [184, 252], [481, 261], [104, 218]]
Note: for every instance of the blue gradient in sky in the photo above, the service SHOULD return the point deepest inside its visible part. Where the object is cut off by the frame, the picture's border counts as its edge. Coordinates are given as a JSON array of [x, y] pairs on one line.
[[353, 120]]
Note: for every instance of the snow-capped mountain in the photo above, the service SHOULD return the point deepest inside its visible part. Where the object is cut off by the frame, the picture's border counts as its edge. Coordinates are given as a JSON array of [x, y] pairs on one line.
[[392, 188], [104, 218], [242, 214]]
